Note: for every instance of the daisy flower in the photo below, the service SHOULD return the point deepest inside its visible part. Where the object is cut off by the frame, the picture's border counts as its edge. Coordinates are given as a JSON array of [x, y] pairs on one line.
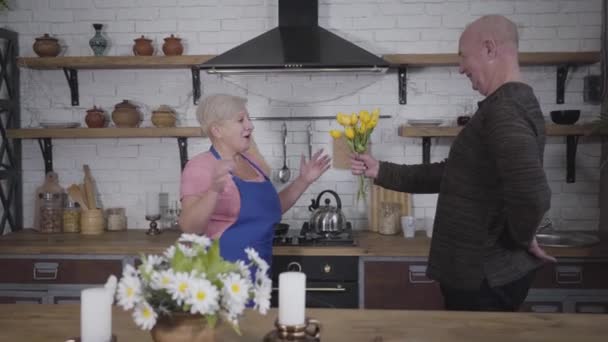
[[129, 271], [203, 297], [200, 240], [162, 279], [150, 262], [235, 292], [187, 250], [129, 292], [243, 269], [253, 255], [144, 316], [261, 295], [169, 252], [180, 287]]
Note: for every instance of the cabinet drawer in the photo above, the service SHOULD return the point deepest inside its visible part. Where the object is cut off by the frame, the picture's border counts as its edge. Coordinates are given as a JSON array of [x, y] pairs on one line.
[[58, 271], [542, 306], [583, 275], [22, 297], [400, 285]]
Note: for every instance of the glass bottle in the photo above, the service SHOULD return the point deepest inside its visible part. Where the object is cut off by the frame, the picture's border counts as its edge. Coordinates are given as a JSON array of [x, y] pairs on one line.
[[98, 43], [71, 218], [51, 213]]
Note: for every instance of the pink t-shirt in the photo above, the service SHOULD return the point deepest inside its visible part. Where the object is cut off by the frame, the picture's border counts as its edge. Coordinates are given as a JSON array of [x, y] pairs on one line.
[[196, 180]]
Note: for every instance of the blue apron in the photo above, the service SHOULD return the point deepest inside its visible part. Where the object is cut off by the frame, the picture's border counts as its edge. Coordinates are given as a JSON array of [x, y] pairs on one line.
[[254, 227]]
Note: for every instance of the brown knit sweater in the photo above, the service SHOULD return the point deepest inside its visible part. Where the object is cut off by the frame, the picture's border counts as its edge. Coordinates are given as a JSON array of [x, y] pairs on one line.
[[492, 190]]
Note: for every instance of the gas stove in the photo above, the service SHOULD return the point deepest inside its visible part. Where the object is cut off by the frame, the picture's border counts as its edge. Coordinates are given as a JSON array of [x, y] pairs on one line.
[[308, 237]]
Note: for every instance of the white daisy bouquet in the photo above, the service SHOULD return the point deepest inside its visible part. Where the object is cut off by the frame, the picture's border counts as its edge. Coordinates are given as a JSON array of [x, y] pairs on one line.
[[191, 277]]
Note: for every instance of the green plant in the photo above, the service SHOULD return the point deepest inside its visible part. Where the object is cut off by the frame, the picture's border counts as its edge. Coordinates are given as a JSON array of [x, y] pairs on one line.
[[3, 5]]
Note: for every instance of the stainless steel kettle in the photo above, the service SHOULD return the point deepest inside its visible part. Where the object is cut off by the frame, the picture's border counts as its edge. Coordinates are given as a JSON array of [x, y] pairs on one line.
[[327, 219]]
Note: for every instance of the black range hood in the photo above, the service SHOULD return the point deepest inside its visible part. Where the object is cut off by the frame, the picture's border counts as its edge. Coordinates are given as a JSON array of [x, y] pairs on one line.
[[297, 44]]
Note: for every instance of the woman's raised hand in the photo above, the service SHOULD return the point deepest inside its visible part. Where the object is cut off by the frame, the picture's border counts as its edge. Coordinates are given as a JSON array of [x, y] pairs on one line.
[[312, 169]]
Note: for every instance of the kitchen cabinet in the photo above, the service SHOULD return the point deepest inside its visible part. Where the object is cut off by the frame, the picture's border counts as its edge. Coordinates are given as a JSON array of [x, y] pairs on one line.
[[399, 283], [570, 285], [53, 278]]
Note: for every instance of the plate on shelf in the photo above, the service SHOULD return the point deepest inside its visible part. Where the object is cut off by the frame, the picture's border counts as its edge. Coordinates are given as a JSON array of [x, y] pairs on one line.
[[59, 124], [424, 122]]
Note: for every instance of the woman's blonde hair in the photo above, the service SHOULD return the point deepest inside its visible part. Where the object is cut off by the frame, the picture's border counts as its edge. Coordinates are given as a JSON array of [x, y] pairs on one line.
[[218, 107]]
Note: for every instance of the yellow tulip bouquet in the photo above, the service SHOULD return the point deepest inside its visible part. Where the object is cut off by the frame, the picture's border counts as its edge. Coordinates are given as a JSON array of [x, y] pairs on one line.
[[357, 130]]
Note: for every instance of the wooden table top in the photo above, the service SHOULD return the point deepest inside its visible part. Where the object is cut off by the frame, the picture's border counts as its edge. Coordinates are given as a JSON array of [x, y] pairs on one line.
[[41, 322], [135, 241]]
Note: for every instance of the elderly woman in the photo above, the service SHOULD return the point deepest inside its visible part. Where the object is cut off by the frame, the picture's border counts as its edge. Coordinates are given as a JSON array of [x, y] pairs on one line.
[[225, 193]]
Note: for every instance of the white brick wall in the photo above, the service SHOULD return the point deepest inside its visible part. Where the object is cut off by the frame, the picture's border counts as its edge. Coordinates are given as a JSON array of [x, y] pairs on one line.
[[126, 168]]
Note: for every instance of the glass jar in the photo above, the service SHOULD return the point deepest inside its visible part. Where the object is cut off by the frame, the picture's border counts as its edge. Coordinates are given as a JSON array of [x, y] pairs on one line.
[[116, 219], [71, 218], [51, 212], [389, 218]]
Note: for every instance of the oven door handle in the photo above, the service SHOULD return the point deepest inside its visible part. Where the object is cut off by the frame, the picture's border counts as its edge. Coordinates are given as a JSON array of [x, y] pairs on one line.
[[320, 289]]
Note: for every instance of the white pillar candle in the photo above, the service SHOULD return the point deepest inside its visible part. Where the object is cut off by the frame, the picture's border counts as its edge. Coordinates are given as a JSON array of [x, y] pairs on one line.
[[152, 204], [95, 315], [292, 298]]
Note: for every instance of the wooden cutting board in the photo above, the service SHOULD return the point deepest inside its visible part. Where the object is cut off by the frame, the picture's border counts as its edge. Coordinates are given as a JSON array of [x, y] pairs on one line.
[[378, 195]]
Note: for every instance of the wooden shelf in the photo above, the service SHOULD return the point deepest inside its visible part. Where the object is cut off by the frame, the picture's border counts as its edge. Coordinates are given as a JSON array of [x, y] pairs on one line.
[[452, 131], [571, 132], [113, 62], [525, 58], [93, 133]]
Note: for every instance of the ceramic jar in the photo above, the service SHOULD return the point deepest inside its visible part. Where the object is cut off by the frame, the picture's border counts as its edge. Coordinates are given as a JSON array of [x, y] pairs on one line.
[[47, 46], [143, 47], [126, 114], [96, 118], [164, 116], [98, 43], [173, 46]]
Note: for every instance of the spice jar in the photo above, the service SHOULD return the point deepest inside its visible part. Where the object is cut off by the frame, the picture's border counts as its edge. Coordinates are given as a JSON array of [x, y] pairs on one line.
[[389, 218], [71, 218], [117, 220], [51, 213]]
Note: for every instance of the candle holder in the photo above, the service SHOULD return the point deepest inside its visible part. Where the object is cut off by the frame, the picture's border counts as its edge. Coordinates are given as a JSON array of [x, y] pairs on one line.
[[153, 230], [309, 331]]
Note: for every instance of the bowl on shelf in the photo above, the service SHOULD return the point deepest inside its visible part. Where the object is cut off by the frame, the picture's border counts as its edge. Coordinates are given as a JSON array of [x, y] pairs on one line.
[[565, 117]]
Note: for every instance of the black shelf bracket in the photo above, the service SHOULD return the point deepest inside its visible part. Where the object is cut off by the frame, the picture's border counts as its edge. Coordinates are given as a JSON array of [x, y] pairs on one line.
[[571, 144], [402, 79], [182, 143], [196, 84], [72, 76], [561, 76], [426, 150], [46, 147]]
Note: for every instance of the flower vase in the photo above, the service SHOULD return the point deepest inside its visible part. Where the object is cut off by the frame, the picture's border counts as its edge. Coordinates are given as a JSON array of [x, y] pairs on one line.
[[182, 327], [98, 43]]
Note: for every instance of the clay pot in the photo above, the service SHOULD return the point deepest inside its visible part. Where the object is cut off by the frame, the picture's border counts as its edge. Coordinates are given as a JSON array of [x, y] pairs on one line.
[[47, 46], [164, 116], [126, 114], [143, 47], [181, 327], [96, 118], [173, 46]]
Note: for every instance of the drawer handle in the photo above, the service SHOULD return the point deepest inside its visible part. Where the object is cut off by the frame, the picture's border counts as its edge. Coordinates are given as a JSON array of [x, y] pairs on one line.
[[569, 274], [592, 308], [545, 308], [338, 288], [46, 270], [417, 275]]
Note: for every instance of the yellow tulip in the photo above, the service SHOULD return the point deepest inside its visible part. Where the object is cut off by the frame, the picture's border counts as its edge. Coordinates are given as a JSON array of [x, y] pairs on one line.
[[376, 114], [335, 133], [354, 119], [363, 128], [349, 132], [344, 120], [372, 123], [364, 116]]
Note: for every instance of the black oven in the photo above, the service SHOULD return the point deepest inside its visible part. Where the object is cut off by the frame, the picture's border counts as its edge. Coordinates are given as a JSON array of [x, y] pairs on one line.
[[331, 281]]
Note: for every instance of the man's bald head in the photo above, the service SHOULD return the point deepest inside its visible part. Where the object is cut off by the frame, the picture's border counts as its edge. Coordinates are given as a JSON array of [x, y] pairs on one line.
[[494, 27]]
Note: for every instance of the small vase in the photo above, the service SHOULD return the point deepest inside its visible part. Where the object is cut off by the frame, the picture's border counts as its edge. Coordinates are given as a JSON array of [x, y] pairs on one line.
[[143, 47], [47, 46], [95, 118], [182, 327], [126, 115], [98, 43], [173, 46]]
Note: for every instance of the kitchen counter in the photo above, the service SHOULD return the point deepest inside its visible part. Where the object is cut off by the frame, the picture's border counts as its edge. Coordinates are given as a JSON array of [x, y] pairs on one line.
[[134, 242], [26, 322]]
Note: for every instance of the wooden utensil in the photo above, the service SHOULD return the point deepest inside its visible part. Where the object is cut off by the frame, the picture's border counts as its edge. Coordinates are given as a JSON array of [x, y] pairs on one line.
[[76, 195], [89, 187]]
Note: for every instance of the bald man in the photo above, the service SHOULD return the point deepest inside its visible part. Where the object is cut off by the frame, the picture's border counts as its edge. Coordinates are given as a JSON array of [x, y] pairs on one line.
[[493, 192]]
